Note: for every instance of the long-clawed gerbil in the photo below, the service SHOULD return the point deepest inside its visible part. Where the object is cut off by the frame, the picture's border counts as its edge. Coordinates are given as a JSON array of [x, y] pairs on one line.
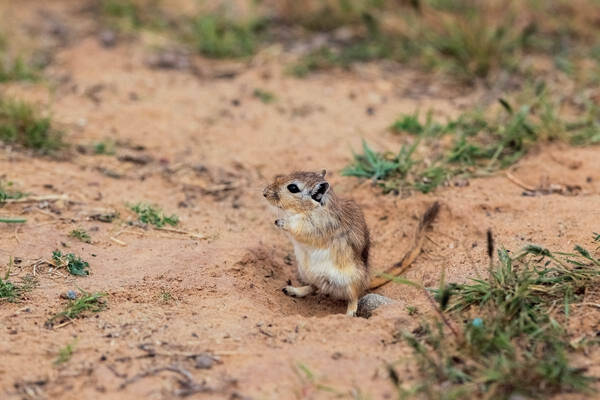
[[330, 237]]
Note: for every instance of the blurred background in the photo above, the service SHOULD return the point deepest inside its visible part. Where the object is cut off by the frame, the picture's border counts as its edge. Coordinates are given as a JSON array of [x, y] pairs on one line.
[[515, 72], [469, 39]]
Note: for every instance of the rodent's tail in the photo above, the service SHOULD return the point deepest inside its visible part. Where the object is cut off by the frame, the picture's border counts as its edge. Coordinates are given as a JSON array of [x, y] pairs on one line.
[[413, 253]]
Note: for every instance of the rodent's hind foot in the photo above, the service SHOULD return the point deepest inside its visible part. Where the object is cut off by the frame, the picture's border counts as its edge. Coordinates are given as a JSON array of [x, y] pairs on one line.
[[301, 291], [352, 307]]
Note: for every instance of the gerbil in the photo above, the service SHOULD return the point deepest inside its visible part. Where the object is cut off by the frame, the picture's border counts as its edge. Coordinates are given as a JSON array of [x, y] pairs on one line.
[[329, 234]]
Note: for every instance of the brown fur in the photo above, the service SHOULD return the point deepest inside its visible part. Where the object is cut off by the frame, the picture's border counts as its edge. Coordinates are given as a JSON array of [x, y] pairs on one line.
[[330, 236]]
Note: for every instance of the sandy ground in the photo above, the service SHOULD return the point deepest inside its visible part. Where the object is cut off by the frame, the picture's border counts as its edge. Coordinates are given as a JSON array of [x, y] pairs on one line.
[[210, 148]]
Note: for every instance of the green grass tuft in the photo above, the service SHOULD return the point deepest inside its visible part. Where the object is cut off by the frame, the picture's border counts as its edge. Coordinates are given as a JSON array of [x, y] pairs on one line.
[[13, 292], [14, 68], [264, 96], [65, 353], [320, 59], [17, 70], [124, 10], [81, 234], [75, 265], [431, 178], [149, 214], [105, 147], [86, 303], [510, 331], [479, 143], [410, 123], [412, 310], [165, 296], [129, 16], [378, 166], [6, 193], [217, 37], [23, 126]]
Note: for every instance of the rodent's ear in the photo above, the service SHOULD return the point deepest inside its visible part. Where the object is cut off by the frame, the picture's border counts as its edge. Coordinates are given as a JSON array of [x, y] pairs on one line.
[[319, 191], [323, 172]]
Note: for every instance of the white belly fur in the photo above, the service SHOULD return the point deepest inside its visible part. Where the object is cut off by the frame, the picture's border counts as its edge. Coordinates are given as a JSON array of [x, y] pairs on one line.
[[316, 266]]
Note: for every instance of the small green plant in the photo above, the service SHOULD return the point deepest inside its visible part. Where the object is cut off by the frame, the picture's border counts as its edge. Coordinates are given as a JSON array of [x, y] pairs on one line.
[[507, 335], [17, 70], [80, 234], [149, 214], [431, 178], [14, 68], [130, 15], [264, 96], [78, 308], [106, 147], [323, 58], [124, 10], [14, 292], [165, 296], [21, 125], [6, 193], [378, 166], [410, 123], [394, 172], [65, 353], [217, 37], [8, 291], [75, 265]]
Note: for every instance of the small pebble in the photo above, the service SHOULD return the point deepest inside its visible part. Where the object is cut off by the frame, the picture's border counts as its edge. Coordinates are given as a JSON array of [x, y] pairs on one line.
[[204, 362], [108, 38], [369, 303], [71, 294]]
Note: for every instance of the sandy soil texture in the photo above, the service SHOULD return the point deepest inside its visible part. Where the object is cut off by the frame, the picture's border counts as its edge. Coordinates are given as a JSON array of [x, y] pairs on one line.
[[210, 303]]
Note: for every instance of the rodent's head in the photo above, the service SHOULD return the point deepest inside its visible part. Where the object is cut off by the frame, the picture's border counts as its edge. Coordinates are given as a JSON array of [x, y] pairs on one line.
[[298, 192]]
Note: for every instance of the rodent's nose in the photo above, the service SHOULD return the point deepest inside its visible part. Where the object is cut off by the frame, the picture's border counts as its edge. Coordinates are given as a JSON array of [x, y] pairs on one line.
[[270, 194]]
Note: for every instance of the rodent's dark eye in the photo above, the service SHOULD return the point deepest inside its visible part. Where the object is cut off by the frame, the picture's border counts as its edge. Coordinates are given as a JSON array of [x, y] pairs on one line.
[[293, 188]]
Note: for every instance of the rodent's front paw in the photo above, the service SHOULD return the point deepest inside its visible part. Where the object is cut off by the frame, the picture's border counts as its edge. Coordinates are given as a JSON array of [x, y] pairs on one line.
[[280, 223], [289, 291]]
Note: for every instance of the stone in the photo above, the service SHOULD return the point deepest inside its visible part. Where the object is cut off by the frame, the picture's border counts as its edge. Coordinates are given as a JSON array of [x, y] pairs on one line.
[[370, 302]]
